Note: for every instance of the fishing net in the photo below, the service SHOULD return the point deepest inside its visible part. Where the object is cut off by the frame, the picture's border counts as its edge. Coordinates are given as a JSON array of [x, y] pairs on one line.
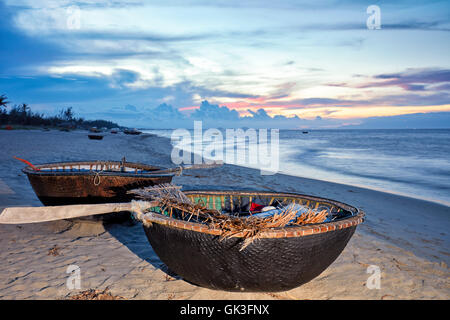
[[171, 201]]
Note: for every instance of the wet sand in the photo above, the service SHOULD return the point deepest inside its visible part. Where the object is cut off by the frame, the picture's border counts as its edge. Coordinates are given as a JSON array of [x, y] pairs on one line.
[[406, 238]]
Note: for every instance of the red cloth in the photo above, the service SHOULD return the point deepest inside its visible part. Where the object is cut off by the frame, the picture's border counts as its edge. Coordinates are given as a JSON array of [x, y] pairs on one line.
[[256, 207]]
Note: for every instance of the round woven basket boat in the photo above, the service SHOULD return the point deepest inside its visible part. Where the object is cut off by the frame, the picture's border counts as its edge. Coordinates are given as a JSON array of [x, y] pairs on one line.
[[84, 182], [280, 259]]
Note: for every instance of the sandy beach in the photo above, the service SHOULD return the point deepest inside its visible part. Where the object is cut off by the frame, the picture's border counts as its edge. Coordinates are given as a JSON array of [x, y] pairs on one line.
[[407, 238]]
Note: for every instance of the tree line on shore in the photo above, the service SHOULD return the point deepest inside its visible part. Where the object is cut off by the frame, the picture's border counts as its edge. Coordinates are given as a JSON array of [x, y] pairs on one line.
[[22, 115]]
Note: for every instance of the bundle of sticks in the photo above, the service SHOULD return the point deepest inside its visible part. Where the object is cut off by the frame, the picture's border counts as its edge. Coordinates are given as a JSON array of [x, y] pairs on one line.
[[169, 198]]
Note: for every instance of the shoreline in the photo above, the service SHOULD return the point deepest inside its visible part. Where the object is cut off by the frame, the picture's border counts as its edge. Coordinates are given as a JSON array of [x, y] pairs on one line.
[[388, 191], [406, 237], [414, 235], [336, 180]]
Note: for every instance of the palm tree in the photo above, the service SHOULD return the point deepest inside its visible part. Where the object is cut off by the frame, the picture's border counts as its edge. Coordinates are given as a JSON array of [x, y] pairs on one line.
[[3, 101]]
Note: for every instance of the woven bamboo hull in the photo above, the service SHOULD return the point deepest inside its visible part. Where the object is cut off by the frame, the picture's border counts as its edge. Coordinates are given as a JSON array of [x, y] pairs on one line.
[[81, 189], [86, 182], [282, 259], [267, 265]]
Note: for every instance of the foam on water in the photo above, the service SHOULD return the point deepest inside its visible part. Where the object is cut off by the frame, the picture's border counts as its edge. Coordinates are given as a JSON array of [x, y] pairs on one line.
[[414, 163]]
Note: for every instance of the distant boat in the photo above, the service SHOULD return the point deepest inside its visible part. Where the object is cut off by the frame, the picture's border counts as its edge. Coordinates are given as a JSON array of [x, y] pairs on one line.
[[305, 132], [114, 130], [95, 136], [94, 129], [132, 131]]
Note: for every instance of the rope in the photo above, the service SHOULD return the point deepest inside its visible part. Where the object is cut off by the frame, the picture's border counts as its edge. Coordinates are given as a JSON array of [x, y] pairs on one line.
[[97, 180], [138, 207]]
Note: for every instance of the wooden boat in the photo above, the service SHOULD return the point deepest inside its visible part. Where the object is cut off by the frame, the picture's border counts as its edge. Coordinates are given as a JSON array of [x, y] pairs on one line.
[[92, 181], [132, 131], [280, 259], [95, 136]]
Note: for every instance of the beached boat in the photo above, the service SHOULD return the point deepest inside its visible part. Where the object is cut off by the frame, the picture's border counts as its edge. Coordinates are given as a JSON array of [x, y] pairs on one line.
[[132, 131], [92, 181], [212, 238], [95, 136], [279, 259]]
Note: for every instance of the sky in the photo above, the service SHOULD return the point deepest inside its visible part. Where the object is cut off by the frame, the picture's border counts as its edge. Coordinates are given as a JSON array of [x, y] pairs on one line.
[[286, 64]]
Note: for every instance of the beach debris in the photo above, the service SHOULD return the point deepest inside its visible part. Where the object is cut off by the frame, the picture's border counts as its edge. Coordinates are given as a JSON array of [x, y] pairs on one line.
[[173, 202], [54, 251], [92, 294], [169, 278], [171, 296]]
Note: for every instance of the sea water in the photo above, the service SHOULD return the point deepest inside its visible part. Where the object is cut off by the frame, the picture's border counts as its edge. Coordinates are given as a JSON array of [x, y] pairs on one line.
[[412, 162]]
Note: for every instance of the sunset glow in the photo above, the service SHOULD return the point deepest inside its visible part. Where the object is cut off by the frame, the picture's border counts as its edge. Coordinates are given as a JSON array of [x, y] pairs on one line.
[[291, 58]]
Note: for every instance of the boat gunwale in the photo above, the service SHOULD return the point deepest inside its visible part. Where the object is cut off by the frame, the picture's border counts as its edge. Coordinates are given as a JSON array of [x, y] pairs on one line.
[[75, 172], [355, 219]]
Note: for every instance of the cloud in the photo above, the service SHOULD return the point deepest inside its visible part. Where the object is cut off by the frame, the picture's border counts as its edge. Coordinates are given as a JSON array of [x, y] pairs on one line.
[[214, 112], [18, 51], [409, 121], [166, 112], [259, 58], [418, 25], [414, 79], [130, 107], [408, 99], [417, 76], [123, 78], [260, 114]]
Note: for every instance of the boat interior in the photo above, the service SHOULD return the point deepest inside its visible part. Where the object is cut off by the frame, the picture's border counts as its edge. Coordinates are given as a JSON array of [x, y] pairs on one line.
[[96, 166]]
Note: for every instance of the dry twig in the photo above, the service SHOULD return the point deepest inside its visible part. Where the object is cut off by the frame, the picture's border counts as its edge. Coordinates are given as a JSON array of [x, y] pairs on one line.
[[170, 198], [92, 294]]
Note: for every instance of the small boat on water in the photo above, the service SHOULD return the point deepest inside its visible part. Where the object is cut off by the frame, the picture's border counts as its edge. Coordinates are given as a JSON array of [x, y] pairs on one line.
[[87, 182], [132, 131], [279, 259], [95, 136]]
